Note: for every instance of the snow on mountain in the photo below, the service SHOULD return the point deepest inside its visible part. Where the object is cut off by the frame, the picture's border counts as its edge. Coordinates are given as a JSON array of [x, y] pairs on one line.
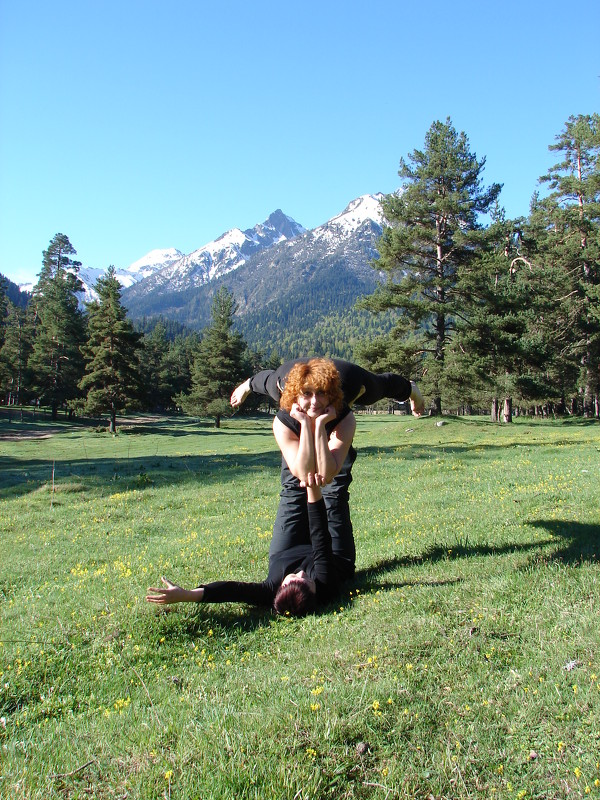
[[153, 261], [227, 253], [363, 209], [169, 270], [138, 271]]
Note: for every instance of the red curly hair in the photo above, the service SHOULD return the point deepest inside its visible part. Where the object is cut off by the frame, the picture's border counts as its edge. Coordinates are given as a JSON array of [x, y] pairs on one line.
[[318, 374]]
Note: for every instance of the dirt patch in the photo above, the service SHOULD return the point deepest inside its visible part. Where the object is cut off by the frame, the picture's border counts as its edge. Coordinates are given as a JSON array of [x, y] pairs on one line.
[[46, 433], [18, 436]]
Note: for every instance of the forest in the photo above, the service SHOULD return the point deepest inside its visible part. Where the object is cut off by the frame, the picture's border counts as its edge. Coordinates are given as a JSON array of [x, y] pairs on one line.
[[488, 314]]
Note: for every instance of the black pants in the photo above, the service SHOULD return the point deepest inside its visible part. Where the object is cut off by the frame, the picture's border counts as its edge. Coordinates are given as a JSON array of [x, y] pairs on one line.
[[291, 523]]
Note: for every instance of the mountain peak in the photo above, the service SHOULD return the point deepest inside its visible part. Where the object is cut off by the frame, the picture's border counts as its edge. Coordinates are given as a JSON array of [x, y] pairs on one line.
[[287, 226], [148, 263], [168, 271], [367, 206]]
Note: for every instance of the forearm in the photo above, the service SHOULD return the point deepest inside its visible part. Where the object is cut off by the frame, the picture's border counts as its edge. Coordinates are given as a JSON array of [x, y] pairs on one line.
[[326, 463], [193, 595], [305, 460], [256, 594]]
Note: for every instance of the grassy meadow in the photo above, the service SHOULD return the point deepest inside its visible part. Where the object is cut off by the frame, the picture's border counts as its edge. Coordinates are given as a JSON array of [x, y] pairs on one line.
[[462, 662]]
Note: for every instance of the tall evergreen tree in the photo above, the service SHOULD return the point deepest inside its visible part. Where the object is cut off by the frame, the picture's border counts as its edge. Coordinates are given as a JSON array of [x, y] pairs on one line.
[[501, 348], [3, 307], [176, 366], [566, 225], [219, 363], [56, 363], [14, 355], [111, 382], [155, 378], [433, 233]]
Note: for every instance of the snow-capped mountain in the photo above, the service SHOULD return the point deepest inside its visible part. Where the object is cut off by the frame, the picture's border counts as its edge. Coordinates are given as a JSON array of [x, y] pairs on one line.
[[217, 258], [280, 273], [138, 271], [326, 268], [364, 209], [149, 264]]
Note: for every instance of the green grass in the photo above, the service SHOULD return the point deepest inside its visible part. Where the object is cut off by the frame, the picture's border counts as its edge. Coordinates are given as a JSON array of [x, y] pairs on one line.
[[462, 662]]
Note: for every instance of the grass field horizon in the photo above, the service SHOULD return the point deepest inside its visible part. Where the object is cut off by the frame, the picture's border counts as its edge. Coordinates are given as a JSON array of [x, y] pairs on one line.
[[461, 662]]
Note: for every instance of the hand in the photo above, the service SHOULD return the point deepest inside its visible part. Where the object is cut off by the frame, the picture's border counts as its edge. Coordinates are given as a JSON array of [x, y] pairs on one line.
[[171, 593], [328, 415], [313, 479], [240, 393], [417, 404], [298, 414]]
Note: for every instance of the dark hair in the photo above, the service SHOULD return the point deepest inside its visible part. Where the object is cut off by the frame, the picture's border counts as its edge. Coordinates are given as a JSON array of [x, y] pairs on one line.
[[294, 599]]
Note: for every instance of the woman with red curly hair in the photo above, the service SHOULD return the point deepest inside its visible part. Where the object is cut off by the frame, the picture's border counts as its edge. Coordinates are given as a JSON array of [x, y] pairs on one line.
[[285, 385], [313, 413]]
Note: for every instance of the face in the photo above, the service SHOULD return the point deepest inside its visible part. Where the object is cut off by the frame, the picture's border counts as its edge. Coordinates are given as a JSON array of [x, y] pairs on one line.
[[313, 401], [302, 577]]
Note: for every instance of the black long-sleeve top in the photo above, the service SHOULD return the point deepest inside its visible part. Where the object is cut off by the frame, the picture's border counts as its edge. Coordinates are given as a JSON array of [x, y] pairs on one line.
[[315, 558], [353, 378]]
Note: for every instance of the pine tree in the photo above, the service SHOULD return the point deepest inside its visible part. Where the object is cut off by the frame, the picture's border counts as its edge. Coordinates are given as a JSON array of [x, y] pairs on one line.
[[495, 352], [567, 230], [56, 363], [433, 233], [14, 355], [154, 378], [219, 363], [111, 382], [3, 307]]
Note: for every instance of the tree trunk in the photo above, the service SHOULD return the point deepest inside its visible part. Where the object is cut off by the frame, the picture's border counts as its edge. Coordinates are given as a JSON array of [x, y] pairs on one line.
[[218, 421], [574, 405], [113, 421], [507, 412], [495, 410]]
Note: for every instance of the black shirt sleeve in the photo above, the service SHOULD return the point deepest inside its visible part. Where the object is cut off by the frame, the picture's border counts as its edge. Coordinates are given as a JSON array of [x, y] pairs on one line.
[[255, 594], [265, 383]]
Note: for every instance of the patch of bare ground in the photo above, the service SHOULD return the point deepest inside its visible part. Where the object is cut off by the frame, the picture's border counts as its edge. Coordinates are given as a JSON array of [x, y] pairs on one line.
[[18, 436], [46, 433]]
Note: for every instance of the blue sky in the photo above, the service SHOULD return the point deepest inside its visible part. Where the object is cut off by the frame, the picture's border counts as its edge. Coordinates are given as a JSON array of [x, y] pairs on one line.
[[140, 124]]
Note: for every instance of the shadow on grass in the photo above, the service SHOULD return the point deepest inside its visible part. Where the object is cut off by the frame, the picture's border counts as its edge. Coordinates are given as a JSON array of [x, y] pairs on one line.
[[427, 452], [244, 618], [127, 474], [580, 541]]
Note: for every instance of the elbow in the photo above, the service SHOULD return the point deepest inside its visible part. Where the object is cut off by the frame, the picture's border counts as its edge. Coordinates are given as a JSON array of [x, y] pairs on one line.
[[300, 474], [331, 473]]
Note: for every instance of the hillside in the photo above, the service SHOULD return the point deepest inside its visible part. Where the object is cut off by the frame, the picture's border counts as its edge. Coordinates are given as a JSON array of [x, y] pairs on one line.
[[297, 295]]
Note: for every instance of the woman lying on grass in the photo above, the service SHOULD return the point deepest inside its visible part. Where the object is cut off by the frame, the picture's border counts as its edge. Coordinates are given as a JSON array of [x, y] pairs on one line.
[[303, 570]]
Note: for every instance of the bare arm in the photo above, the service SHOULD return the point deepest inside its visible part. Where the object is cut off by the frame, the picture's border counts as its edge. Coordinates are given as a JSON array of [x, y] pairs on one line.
[[417, 404], [322, 464], [298, 452], [240, 393], [331, 451], [171, 593]]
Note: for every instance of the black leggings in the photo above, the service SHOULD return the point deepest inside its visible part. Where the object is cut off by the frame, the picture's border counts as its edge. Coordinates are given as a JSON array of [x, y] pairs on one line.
[[291, 523]]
